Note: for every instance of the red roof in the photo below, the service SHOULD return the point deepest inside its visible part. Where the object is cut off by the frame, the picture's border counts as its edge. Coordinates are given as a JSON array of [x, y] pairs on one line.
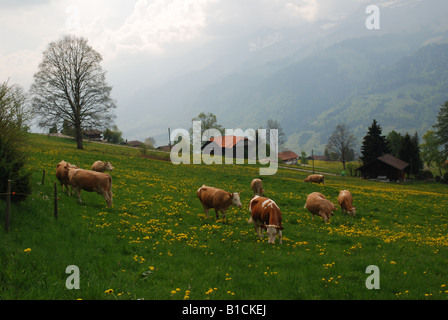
[[287, 155], [227, 141]]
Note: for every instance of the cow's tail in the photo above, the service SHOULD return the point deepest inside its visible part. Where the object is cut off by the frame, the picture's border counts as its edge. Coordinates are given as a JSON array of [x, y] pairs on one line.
[[250, 220]]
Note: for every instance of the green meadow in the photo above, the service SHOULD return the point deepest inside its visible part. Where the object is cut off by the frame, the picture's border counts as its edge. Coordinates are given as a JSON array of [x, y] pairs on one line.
[[156, 243]]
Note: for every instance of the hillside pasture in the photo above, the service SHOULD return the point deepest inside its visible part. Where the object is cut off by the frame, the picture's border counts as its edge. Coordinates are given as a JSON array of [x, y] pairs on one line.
[[156, 243]]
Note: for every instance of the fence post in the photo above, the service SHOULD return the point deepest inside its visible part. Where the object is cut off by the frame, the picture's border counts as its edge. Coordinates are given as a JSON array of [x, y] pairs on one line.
[[55, 201], [43, 177], [8, 206]]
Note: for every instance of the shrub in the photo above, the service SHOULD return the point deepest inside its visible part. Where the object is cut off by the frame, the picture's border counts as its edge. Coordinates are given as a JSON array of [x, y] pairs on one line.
[[12, 137]]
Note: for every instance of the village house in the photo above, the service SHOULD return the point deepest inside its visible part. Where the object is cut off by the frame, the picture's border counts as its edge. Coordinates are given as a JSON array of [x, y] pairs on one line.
[[288, 157], [92, 135], [226, 145]]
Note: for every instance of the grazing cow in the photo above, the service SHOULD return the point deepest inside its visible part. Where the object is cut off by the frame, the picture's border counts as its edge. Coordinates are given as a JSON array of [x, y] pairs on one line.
[[91, 181], [62, 175], [218, 199], [316, 178], [257, 187], [265, 214], [317, 204], [345, 200], [101, 166]]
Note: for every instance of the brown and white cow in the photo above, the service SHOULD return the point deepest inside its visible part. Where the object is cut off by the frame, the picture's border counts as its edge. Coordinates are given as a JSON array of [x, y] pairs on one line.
[[218, 199], [257, 187], [345, 200], [317, 204], [101, 166], [265, 214], [316, 178], [62, 175], [91, 181]]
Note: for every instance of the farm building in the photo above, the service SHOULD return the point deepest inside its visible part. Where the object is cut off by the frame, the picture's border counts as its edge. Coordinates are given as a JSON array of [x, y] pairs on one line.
[[386, 167], [226, 145], [94, 135], [165, 148], [288, 157], [135, 143]]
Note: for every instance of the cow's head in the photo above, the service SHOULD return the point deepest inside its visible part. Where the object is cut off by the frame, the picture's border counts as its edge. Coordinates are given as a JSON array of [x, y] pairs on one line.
[[108, 166], [272, 231], [236, 199], [352, 212]]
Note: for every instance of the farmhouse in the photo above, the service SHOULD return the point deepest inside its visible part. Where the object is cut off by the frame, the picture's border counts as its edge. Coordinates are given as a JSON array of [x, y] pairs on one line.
[[135, 143], [93, 135], [165, 148], [288, 157], [384, 167], [226, 145]]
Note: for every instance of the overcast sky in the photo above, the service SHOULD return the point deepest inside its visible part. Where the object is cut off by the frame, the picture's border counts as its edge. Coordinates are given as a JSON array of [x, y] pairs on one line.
[[157, 29]]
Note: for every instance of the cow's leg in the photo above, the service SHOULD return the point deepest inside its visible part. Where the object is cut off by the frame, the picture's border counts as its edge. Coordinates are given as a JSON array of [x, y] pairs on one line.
[[256, 230], [280, 236], [78, 192], [206, 209], [324, 216], [107, 194], [217, 213], [106, 197]]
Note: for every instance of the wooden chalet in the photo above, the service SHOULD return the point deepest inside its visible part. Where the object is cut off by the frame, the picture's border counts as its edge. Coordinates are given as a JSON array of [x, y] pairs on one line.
[[288, 157], [385, 168], [226, 145], [93, 135]]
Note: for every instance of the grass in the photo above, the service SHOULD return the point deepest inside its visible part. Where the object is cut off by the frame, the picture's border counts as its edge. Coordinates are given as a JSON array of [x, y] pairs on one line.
[[155, 243]]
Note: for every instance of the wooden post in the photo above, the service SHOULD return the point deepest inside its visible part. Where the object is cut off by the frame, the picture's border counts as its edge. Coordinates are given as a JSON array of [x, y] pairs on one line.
[[8, 206], [169, 138], [55, 201], [43, 178], [312, 156]]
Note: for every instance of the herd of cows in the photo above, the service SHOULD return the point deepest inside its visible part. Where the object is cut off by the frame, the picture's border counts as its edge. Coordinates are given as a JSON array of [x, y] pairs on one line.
[[264, 212]]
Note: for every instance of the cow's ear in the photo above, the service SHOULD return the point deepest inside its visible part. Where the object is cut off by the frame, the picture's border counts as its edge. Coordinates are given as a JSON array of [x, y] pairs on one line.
[[230, 194]]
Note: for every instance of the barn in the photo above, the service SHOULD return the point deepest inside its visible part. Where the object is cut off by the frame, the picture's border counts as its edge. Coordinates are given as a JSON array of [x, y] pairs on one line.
[[386, 167]]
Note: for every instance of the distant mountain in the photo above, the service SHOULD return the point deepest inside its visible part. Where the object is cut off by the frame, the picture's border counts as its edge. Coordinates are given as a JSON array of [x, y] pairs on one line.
[[353, 81], [311, 79]]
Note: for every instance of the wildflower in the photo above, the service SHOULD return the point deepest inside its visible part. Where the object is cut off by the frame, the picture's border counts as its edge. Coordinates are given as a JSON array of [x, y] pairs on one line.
[[109, 291], [27, 250]]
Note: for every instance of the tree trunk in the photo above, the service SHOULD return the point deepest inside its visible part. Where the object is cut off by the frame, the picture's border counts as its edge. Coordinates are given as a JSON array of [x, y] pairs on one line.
[[78, 137]]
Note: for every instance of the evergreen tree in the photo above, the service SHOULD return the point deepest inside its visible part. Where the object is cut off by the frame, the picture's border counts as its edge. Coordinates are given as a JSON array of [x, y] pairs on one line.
[[410, 152], [442, 127], [374, 144]]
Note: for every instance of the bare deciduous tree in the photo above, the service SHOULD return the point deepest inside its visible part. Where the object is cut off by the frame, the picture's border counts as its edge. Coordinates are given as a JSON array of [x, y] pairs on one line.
[[70, 86], [342, 142]]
